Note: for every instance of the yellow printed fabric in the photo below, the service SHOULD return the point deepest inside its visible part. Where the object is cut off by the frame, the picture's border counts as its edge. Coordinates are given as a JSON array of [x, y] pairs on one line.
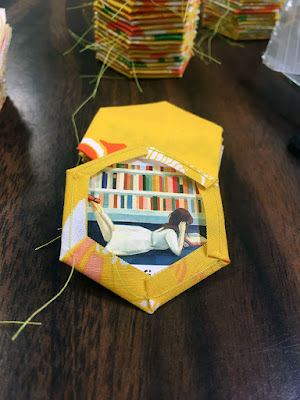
[[242, 20], [163, 129], [161, 133], [146, 38]]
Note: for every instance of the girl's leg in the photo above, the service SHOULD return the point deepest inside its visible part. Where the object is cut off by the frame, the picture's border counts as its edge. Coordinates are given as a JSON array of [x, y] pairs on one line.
[[105, 223]]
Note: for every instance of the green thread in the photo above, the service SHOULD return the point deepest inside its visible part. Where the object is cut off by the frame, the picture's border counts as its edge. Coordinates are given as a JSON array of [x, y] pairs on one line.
[[231, 42], [120, 9], [81, 6], [90, 23], [20, 322], [104, 77], [136, 78], [202, 54], [82, 42], [209, 36], [78, 41], [51, 241], [43, 307], [104, 67], [64, 286], [186, 10]]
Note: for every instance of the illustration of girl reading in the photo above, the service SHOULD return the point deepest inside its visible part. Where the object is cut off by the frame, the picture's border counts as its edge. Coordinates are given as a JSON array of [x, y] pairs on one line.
[[125, 240]]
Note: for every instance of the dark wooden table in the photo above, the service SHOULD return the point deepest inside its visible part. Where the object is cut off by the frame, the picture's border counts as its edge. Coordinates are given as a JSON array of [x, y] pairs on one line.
[[235, 335]]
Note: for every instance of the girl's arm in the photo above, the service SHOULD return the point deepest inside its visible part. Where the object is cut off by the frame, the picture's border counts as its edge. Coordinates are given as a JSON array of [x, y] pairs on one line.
[[176, 243]]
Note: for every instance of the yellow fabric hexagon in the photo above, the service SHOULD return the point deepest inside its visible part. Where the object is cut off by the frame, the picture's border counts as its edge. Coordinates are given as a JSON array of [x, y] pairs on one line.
[[176, 141]]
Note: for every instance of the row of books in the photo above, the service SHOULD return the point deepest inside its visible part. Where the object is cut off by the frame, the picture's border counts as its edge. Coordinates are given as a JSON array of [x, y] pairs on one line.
[[154, 203], [142, 167], [144, 182]]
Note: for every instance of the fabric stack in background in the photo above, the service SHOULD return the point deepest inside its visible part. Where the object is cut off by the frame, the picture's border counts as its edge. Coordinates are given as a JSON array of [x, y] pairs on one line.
[[242, 19], [5, 36], [146, 38]]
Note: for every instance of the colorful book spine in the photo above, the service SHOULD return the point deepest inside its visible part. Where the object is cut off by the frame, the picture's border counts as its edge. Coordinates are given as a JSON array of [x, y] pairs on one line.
[[144, 183], [155, 203], [122, 177]]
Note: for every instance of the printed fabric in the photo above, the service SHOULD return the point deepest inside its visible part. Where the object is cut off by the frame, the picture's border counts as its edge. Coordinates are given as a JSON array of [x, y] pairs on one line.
[[151, 165]]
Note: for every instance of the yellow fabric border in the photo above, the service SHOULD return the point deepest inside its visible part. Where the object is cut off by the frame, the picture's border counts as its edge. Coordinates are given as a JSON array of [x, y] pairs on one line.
[[148, 293]]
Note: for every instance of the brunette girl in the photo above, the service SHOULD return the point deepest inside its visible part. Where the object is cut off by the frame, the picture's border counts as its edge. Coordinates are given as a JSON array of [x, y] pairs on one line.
[[125, 240]]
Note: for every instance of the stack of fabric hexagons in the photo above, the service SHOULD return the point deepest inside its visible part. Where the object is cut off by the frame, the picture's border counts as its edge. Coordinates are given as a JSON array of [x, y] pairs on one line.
[[242, 19], [146, 38]]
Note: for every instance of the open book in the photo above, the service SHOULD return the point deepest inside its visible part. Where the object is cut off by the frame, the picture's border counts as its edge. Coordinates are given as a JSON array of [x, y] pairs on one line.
[[195, 239]]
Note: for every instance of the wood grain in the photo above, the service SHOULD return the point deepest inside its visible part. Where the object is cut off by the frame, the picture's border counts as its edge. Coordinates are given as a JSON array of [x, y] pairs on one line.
[[235, 335]]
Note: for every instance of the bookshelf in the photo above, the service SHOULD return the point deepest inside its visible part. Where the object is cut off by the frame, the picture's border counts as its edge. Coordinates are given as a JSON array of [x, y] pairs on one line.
[[141, 193]]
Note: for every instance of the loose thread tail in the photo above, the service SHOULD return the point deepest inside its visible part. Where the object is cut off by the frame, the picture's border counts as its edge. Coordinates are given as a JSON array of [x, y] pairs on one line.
[[73, 118], [209, 36], [78, 41], [120, 9], [202, 54], [217, 26], [107, 41], [81, 6], [83, 42], [88, 76], [51, 241], [203, 38], [103, 77], [182, 8], [93, 94], [231, 42], [136, 78], [23, 326], [28, 322], [186, 11], [20, 322], [91, 46], [90, 23]]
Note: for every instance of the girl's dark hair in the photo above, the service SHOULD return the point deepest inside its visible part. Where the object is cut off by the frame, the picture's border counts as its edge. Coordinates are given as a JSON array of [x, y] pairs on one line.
[[177, 216]]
